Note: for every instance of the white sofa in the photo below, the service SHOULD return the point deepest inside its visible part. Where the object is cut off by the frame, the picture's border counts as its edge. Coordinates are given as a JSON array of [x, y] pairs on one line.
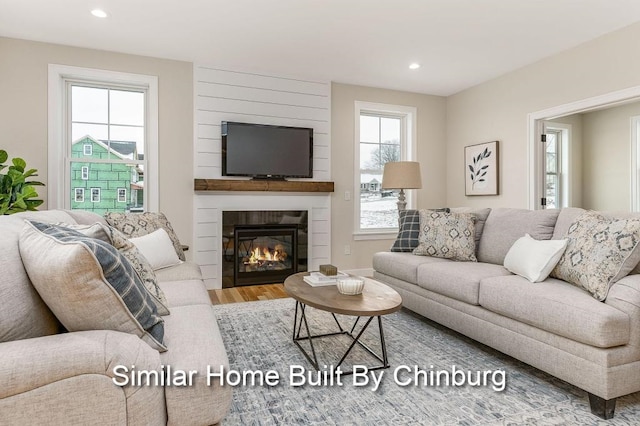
[[552, 325], [54, 377]]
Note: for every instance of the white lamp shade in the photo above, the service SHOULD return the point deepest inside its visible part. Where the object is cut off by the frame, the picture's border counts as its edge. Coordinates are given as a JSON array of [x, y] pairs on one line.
[[401, 175]]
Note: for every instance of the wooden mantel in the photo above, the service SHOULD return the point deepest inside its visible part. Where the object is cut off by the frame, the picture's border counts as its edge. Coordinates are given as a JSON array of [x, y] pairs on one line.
[[261, 185]]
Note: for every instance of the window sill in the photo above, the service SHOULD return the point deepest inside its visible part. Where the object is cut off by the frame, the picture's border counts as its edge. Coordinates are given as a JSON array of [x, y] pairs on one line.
[[382, 235]]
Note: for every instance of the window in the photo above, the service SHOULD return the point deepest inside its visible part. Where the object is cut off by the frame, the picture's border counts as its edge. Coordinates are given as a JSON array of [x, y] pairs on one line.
[[79, 195], [552, 168], [122, 195], [383, 133], [95, 195], [105, 122]]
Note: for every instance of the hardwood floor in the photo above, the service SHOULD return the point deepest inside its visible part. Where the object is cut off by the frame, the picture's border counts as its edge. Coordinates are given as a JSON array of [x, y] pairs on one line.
[[248, 293]]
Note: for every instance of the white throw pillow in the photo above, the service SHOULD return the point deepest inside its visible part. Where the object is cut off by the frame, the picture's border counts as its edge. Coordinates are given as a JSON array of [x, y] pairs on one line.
[[534, 259], [157, 248]]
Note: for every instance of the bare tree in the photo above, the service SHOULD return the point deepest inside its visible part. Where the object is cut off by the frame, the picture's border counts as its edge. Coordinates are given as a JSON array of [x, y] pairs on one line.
[[383, 154]]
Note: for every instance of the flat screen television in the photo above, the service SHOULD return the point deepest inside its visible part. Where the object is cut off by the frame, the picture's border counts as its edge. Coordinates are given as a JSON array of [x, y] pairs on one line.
[[266, 152]]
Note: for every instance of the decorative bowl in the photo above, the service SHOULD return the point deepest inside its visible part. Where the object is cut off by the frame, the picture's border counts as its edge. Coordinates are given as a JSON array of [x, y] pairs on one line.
[[350, 285]]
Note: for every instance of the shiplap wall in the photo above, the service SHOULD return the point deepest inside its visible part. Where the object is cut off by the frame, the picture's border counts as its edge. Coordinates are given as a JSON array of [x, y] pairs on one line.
[[231, 95]]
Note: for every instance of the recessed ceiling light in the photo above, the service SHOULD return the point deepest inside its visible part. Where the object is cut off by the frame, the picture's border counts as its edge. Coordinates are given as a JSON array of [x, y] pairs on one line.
[[414, 66], [99, 13]]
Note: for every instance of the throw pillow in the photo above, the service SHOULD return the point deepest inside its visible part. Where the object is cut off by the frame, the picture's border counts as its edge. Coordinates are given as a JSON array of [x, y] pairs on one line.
[[142, 267], [88, 284], [599, 252], [139, 224], [409, 230], [447, 235], [157, 248], [534, 259]]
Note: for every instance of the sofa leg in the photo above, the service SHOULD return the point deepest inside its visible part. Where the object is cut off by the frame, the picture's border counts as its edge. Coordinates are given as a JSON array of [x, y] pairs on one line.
[[603, 408]]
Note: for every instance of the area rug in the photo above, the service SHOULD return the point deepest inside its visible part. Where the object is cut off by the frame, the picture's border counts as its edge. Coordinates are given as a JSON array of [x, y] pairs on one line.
[[258, 338]]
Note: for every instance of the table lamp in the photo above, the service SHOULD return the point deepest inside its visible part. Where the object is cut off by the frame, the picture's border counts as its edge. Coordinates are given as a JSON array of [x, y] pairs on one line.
[[401, 175]]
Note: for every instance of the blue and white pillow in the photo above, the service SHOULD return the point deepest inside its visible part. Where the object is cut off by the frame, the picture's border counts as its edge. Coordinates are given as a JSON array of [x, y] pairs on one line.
[[88, 284]]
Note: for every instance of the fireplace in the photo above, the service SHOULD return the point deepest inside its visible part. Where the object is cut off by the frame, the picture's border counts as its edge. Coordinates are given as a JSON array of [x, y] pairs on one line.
[[264, 253], [263, 247]]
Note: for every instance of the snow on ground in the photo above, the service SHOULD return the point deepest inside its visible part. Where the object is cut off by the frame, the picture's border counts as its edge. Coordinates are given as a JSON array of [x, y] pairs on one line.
[[377, 212]]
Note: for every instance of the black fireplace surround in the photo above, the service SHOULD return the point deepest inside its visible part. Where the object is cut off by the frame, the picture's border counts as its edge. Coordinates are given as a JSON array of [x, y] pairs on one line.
[[263, 247]]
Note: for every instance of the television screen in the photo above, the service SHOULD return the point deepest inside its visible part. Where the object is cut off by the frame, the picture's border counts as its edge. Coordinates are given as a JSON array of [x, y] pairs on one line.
[[263, 151]]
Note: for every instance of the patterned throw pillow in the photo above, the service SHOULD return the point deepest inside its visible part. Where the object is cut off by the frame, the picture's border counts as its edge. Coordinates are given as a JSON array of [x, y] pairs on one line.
[[88, 284], [139, 224], [447, 235], [600, 251], [141, 266], [409, 230], [139, 263]]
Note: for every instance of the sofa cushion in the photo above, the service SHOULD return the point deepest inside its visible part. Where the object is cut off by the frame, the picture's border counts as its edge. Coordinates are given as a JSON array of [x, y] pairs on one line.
[[599, 252], [184, 271], [481, 216], [138, 224], [557, 307], [459, 281], [185, 292], [88, 284], [23, 314], [447, 235], [504, 226], [193, 335], [534, 259], [403, 266]]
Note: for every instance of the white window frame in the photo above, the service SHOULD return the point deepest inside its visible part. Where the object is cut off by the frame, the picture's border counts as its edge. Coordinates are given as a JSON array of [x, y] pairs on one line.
[[84, 171], [408, 152], [77, 191], [58, 162], [87, 149], [635, 163], [97, 198], [124, 198]]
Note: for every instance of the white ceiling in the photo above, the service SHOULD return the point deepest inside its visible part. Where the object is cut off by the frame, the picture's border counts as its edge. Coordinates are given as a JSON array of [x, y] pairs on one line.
[[460, 43]]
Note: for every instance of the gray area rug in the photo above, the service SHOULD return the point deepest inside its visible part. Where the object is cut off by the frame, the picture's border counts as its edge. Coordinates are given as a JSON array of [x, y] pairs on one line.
[[258, 336]]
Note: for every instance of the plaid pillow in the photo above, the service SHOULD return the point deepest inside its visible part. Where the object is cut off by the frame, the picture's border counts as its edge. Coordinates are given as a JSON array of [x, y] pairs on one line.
[[407, 238]]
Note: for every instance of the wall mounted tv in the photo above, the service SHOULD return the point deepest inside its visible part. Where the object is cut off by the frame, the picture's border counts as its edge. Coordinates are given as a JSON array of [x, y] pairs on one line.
[[266, 152]]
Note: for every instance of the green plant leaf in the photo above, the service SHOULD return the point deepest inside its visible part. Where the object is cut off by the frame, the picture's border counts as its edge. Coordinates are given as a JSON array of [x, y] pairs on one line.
[[3, 156], [19, 163], [34, 183], [30, 172]]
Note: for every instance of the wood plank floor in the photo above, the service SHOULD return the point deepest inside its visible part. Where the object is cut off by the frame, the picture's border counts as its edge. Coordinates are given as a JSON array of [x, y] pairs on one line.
[[248, 293]]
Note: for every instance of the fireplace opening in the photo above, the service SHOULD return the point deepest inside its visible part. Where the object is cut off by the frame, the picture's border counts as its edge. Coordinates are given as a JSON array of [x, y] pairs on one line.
[[263, 247], [264, 253]]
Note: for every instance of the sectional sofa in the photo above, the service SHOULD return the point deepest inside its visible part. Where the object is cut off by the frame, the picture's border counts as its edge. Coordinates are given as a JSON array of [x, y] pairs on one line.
[[50, 376], [552, 325]]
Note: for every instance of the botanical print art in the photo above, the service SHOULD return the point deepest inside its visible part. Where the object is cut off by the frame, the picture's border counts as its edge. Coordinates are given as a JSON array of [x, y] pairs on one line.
[[481, 169]]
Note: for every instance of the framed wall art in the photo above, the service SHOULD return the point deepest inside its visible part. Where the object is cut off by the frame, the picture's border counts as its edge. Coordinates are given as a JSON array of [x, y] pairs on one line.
[[481, 169]]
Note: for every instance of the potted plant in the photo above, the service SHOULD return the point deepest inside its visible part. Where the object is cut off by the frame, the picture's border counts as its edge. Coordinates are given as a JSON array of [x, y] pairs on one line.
[[16, 193]]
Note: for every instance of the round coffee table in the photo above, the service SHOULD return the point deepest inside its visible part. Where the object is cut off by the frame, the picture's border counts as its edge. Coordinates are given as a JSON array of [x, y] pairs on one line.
[[377, 299]]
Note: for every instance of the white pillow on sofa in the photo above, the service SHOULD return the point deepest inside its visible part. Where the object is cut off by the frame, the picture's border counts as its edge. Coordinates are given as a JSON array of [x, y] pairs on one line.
[[157, 248], [534, 259]]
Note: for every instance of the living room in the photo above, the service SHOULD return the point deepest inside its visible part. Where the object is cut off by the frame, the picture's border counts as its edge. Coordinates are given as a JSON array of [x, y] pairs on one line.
[[486, 104]]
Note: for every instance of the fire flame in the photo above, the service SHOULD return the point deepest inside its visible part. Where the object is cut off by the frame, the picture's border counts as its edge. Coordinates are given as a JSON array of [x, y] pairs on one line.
[[263, 254]]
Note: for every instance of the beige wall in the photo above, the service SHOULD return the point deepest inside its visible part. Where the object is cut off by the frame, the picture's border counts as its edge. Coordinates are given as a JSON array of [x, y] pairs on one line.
[[430, 148], [23, 113], [498, 109], [607, 138]]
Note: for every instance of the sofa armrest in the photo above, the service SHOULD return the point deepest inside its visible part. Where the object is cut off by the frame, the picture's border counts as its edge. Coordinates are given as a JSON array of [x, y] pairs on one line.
[[59, 368], [625, 296]]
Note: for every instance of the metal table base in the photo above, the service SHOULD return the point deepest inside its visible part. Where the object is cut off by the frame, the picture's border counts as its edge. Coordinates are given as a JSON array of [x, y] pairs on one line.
[[313, 359]]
